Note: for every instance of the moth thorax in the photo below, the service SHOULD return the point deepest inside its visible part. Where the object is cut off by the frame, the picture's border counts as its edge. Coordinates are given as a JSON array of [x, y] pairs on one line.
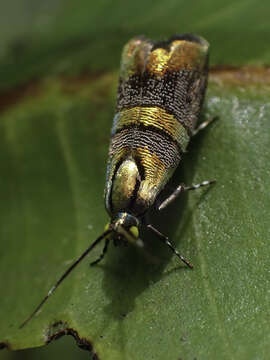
[[125, 185]]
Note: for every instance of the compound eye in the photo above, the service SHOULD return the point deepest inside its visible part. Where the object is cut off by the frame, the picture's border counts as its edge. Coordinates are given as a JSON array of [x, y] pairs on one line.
[[134, 231]]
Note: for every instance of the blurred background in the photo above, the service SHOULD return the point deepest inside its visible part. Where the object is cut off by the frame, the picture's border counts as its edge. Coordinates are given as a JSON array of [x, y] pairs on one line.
[[39, 39], [81, 41]]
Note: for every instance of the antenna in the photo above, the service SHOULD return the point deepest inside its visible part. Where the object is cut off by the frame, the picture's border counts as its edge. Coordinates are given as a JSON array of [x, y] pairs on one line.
[[66, 273]]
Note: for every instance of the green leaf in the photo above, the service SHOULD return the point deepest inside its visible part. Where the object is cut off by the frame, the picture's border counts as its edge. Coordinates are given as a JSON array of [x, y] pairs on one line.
[[53, 155], [53, 148], [68, 37]]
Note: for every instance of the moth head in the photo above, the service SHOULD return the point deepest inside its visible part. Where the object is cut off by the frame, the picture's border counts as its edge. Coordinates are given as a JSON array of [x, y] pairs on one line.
[[125, 227]]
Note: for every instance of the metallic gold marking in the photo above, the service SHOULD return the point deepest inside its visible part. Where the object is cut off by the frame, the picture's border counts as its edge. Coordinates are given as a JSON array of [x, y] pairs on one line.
[[134, 57], [155, 117], [114, 160], [124, 184], [156, 175], [154, 168], [182, 55]]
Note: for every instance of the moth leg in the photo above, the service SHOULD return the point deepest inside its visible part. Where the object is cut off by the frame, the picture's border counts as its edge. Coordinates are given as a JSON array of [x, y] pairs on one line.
[[102, 254], [180, 189], [166, 241], [203, 125]]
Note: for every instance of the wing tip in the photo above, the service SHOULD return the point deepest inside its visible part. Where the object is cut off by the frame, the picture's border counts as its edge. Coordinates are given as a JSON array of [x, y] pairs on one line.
[[186, 36]]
